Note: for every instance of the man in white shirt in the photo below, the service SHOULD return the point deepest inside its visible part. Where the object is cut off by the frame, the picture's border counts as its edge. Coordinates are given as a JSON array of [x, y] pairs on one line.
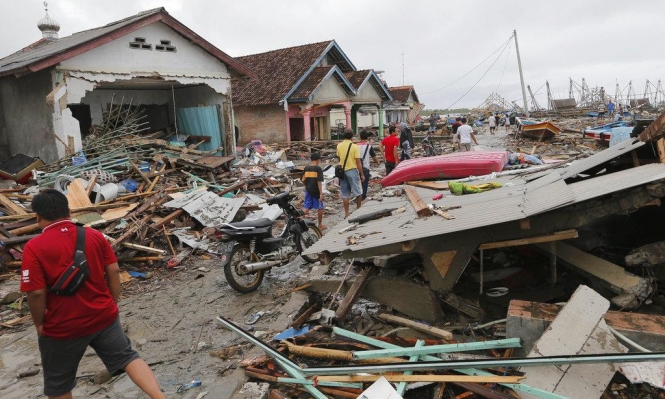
[[466, 134]]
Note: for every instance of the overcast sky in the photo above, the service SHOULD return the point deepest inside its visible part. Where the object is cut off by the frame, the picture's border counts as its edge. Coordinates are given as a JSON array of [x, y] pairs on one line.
[[603, 41]]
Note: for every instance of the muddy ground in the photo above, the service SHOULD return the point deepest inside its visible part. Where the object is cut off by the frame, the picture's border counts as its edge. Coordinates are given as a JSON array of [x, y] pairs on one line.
[[170, 319]]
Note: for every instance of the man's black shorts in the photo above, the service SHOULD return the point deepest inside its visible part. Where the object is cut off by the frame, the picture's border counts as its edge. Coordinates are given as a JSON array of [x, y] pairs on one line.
[[61, 357]]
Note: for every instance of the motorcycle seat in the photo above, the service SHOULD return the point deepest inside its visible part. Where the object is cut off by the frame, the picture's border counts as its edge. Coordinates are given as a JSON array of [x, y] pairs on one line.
[[262, 222]]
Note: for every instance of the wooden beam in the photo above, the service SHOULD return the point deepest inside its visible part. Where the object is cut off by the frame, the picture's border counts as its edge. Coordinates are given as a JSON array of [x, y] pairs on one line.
[[11, 207], [429, 184], [424, 328], [660, 145], [561, 235], [420, 206], [353, 294], [91, 184]]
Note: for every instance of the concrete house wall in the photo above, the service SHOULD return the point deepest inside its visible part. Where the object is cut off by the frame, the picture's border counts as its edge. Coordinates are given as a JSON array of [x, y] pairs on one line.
[[26, 124]]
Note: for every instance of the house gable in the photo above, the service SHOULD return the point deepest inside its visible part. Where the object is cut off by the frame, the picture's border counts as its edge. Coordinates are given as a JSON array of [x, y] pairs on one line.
[[153, 48], [329, 91]]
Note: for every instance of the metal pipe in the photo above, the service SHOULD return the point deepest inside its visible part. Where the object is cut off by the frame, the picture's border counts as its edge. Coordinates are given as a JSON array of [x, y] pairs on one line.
[[434, 349], [492, 363], [254, 267]]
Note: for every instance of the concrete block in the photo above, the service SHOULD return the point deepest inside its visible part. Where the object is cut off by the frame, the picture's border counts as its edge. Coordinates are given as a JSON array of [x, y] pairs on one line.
[[579, 328], [528, 320], [253, 390]]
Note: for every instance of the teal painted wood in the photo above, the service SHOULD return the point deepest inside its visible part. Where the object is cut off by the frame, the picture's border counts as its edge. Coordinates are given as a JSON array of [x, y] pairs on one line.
[[468, 371], [434, 349], [201, 121], [401, 387], [295, 373]]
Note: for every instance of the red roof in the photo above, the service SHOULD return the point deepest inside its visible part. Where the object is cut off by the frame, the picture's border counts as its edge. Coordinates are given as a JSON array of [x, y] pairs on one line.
[[277, 71], [357, 77], [401, 93]]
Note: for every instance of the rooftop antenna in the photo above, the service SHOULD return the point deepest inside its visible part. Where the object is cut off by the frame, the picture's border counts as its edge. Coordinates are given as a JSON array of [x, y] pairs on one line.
[[402, 67]]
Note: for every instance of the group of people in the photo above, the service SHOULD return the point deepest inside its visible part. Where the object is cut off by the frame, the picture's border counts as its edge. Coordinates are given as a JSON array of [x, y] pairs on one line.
[[463, 134]]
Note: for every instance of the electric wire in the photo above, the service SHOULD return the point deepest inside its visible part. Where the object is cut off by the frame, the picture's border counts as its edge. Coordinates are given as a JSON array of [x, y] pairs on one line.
[[481, 78], [504, 69], [474, 68]]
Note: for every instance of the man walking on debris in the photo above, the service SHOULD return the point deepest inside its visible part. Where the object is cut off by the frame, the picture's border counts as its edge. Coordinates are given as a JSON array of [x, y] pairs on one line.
[[349, 157], [454, 127], [313, 180], [432, 123], [492, 123], [366, 153], [388, 148], [466, 134], [405, 141], [67, 323]]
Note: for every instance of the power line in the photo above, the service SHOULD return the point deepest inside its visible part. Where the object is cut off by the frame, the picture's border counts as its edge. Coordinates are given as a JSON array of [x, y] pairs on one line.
[[474, 68], [481, 78], [504, 68]]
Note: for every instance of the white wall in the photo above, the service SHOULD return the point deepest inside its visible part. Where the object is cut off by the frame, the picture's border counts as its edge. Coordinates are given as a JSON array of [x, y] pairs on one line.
[[117, 56], [368, 94], [328, 92]]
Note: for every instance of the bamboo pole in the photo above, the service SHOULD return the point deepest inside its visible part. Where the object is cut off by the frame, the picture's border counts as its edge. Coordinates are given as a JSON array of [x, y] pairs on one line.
[[508, 379]]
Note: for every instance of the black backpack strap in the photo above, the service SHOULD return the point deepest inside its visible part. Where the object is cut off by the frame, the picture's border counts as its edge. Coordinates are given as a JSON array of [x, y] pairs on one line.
[[347, 155], [80, 239], [366, 151]]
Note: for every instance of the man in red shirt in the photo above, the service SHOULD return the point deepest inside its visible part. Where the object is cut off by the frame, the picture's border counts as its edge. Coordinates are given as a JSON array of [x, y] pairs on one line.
[[389, 148], [66, 325]]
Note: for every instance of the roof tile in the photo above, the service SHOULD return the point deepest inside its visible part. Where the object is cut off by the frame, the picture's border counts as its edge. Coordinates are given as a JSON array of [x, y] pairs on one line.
[[277, 71]]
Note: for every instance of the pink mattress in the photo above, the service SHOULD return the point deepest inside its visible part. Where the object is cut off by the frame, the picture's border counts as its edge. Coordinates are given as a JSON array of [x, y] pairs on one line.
[[449, 166]]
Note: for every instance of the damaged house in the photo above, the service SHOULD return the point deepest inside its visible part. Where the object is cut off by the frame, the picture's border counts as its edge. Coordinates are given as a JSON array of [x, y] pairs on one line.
[[405, 106], [54, 90], [298, 90]]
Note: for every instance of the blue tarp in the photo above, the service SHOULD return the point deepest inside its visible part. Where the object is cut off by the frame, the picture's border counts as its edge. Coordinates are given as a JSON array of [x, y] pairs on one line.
[[201, 121]]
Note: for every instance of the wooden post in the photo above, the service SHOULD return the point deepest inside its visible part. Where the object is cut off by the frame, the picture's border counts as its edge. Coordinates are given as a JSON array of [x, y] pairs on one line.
[[420, 206], [353, 293], [553, 271], [436, 332]]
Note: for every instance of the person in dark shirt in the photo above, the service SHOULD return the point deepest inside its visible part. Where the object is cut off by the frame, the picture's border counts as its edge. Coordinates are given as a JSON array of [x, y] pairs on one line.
[[405, 136], [313, 179], [455, 126]]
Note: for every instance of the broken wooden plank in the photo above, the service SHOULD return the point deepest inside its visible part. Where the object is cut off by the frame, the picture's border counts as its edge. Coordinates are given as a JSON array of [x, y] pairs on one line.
[[372, 216], [418, 204], [434, 331], [560, 235], [11, 207], [144, 248], [91, 184], [614, 277], [77, 195], [353, 294], [429, 184]]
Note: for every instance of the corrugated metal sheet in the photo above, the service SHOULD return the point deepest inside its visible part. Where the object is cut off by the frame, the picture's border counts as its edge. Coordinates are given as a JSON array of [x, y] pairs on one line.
[[492, 207], [22, 59], [603, 185], [600, 158]]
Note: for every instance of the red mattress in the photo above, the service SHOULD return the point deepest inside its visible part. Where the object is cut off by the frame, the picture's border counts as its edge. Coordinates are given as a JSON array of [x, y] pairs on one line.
[[449, 166]]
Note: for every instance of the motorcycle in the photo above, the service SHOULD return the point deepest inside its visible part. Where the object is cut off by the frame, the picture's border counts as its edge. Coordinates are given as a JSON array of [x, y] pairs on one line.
[[428, 147], [247, 249]]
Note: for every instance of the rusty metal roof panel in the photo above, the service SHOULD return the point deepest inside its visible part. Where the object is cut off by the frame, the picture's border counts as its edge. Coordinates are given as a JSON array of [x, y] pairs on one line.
[[492, 207], [600, 158], [625, 179]]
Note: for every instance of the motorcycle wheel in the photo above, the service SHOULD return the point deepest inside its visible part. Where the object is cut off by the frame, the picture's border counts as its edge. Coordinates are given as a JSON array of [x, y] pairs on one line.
[[306, 240], [240, 282]]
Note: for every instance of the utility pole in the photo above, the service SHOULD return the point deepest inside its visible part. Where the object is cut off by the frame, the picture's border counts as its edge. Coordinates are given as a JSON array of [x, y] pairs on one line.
[[550, 104], [519, 65]]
